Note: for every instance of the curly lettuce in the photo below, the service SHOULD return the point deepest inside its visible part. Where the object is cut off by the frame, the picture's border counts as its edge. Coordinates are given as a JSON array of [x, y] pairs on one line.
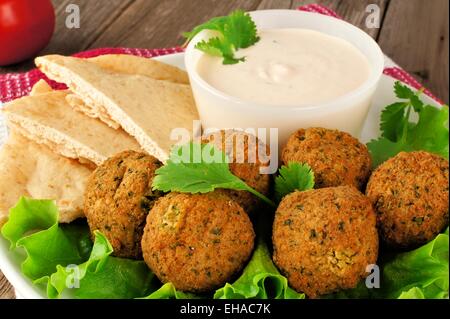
[[63, 258], [425, 268], [260, 279]]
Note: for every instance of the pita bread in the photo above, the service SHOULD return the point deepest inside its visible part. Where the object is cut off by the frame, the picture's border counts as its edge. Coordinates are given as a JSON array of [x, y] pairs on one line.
[[125, 64], [28, 169], [130, 64], [146, 108], [91, 109], [40, 87], [48, 119]]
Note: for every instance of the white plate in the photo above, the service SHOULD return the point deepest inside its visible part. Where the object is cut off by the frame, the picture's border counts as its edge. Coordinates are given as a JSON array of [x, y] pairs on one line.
[[10, 261]]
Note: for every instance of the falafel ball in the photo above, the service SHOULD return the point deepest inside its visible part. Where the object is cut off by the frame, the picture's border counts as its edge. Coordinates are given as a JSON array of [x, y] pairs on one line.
[[324, 239], [245, 152], [336, 157], [197, 242], [410, 195], [118, 198]]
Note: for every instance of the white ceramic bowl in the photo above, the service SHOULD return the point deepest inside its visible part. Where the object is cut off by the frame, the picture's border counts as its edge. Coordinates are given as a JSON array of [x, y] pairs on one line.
[[347, 113]]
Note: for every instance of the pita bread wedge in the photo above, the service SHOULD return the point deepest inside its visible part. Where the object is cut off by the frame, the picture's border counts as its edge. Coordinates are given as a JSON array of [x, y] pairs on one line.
[[146, 108], [40, 87], [125, 64], [91, 109], [32, 170], [130, 64], [48, 119]]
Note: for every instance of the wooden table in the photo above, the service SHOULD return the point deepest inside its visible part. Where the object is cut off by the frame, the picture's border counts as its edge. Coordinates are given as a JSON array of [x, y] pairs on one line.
[[414, 33]]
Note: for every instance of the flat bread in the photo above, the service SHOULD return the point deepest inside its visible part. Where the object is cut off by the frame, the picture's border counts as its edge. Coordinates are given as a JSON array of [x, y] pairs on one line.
[[40, 87], [146, 108], [48, 119], [125, 64], [91, 109], [130, 64], [32, 170]]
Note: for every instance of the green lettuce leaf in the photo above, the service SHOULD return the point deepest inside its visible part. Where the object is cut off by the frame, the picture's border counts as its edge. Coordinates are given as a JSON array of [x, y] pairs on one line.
[[29, 215], [102, 276], [168, 291], [33, 226], [425, 268], [260, 279], [62, 256], [413, 293]]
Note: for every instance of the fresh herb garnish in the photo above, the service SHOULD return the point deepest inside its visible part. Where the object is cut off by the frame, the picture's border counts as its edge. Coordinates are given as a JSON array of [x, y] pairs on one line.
[[399, 133], [199, 168], [293, 177], [236, 31]]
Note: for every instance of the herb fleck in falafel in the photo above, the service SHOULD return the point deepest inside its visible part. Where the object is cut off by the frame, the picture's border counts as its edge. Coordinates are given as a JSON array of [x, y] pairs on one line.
[[337, 158], [245, 152], [324, 239], [197, 242], [118, 198], [410, 195]]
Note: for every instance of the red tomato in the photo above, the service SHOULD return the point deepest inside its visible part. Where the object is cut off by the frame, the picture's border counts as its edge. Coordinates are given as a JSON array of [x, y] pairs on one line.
[[26, 27]]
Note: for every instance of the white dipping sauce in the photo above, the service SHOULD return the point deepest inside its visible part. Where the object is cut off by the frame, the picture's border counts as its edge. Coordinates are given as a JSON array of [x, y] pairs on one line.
[[289, 67]]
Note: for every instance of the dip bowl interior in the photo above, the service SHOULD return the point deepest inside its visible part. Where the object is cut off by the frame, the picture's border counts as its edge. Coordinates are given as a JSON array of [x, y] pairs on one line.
[[219, 110]]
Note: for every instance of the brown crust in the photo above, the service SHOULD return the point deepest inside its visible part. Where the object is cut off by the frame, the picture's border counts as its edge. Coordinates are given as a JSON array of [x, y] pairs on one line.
[[324, 239], [410, 195], [117, 200], [336, 157], [248, 172], [197, 242]]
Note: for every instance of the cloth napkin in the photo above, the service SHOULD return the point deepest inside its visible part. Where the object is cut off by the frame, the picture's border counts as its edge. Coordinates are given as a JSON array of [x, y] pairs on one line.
[[15, 85]]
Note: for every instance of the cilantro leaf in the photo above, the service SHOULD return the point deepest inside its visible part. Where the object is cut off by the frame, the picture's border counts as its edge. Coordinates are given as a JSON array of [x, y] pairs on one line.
[[215, 24], [393, 120], [402, 91], [235, 31], [293, 177], [429, 133], [199, 168], [240, 30], [217, 47]]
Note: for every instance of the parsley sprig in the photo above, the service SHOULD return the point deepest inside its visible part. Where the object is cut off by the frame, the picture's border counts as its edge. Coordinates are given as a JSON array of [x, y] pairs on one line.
[[235, 31], [293, 177], [199, 168], [401, 133]]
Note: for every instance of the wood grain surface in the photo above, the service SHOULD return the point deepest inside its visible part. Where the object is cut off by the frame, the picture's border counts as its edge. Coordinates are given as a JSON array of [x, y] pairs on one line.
[[412, 32]]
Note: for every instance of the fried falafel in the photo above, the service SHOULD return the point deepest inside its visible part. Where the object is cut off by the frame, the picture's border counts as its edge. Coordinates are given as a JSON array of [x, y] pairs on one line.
[[336, 157], [410, 195], [245, 152], [118, 198], [197, 242], [324, 239]]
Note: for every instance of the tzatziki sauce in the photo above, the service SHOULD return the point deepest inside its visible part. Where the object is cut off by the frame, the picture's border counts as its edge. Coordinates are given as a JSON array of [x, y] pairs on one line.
[[289, 67]]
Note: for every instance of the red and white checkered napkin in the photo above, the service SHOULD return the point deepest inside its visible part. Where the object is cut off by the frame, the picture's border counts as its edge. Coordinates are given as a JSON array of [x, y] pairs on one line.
[[15, 85]]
